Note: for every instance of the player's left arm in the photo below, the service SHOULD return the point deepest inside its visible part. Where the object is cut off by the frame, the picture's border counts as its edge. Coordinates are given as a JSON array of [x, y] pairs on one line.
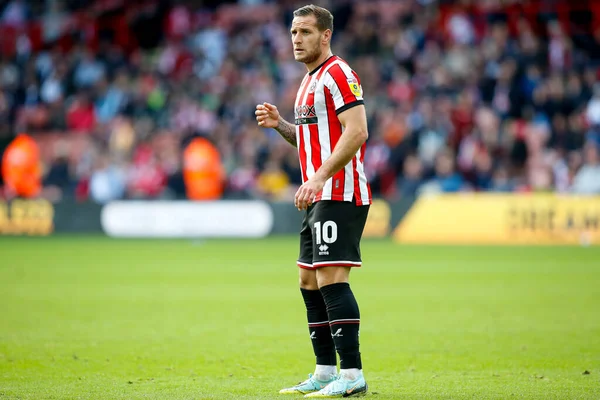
[[355, 135]]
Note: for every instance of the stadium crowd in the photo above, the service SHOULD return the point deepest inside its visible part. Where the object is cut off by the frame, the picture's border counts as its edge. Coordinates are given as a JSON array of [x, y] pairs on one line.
[[486, 95]]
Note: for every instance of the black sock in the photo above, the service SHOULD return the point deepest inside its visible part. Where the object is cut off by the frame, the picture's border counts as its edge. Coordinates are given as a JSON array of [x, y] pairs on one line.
[[344, 321], [318, 327]]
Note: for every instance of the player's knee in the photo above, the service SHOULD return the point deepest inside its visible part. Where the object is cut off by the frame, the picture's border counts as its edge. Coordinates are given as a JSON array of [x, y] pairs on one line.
[[330, 275], [308, 280]]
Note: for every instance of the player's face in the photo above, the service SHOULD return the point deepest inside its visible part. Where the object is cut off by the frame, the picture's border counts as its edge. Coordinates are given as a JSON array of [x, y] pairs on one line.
[[306, 39]]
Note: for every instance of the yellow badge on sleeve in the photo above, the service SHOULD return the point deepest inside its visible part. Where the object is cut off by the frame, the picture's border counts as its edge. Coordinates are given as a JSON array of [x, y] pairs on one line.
[[354, 87]]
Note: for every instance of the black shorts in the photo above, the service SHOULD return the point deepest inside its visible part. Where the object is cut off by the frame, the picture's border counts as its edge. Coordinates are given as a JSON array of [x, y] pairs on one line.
[[331, 233]]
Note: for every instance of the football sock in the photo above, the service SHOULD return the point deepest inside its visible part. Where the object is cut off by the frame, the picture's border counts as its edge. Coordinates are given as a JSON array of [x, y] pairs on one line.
[[318, 327], [344, 321], [324, 372], [351, 373]]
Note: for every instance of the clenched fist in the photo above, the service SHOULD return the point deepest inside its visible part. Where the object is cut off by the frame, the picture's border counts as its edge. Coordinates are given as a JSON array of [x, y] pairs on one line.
[[267, 115]]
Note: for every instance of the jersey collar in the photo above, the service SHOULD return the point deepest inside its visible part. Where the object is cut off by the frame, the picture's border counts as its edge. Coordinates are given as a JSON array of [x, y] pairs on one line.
[[322, 64]]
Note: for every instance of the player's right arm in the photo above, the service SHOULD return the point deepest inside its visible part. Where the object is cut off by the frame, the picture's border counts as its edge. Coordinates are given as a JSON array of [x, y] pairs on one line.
[[268, 116]]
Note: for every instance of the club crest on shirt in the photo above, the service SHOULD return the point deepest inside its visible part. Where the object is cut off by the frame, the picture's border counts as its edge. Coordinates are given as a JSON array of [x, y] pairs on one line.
[[354, 87]]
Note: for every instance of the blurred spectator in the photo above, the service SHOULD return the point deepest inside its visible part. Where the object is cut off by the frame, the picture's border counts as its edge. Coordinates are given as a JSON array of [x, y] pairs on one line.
[[501, 180], [110, 99], [446, 178], [108, 181], [587, 180], [21, 169], [55, 21], [58, 177], [412, 176], [243, 178], [273, 182], [81, 115], [15, 13], [146, 179], [483, 171], [88, 70], [203, 171], [461, 95]]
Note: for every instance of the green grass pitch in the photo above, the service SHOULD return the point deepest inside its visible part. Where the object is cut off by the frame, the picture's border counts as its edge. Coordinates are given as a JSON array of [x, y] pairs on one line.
[[98, 318]]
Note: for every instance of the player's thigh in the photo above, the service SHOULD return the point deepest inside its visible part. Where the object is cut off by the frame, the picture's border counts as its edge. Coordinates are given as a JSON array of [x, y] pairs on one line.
[[307, 276], [337, 229]]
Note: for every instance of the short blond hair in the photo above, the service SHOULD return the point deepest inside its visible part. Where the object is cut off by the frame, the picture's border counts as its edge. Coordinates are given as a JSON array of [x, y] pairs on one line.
[[323, 16]]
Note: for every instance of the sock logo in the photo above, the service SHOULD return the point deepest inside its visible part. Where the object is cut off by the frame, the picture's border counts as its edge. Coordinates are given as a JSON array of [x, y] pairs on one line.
[[338, 333], [313, 335]]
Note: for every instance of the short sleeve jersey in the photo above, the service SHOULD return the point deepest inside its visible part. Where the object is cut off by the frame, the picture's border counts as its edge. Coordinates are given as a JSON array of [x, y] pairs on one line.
[[325, 92]]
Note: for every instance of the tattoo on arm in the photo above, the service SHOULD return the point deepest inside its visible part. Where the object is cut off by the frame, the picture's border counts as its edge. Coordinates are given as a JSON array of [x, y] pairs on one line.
[[287, 131]]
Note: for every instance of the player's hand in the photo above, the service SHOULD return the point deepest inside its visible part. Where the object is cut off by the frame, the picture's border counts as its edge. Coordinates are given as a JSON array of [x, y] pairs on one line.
[[267, 115], [306, 194]]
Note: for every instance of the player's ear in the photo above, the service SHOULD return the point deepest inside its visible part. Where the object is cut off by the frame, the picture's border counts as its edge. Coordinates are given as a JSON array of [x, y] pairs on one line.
[[326, 36]]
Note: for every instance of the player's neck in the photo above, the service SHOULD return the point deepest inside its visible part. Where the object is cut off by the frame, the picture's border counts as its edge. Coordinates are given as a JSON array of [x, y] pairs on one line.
[[311, 67]]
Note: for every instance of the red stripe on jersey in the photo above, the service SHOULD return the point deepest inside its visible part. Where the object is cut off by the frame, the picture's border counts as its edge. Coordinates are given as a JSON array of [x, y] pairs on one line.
[[315, 146], [357, 196], [341, 80], [302, 151], [363, 149], [335, 132], [301, 144]]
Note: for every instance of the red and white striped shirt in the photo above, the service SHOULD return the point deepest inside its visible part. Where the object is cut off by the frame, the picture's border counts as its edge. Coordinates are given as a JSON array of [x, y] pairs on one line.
[[325, 92]]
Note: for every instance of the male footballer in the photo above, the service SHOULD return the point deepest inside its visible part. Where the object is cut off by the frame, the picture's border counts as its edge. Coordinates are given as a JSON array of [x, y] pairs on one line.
[[330, 131]]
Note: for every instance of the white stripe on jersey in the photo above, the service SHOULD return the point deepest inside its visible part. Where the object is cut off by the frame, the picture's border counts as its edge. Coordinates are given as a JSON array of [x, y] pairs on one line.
[[310, 168], [348, 181], [298, 102], [362, 179]]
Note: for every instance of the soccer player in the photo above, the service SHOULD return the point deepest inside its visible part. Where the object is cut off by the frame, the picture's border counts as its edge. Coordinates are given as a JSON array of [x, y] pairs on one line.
[[330, 132]]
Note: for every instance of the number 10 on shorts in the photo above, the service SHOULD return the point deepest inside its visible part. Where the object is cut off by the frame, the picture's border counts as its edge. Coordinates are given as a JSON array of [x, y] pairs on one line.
[[327, 232]]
